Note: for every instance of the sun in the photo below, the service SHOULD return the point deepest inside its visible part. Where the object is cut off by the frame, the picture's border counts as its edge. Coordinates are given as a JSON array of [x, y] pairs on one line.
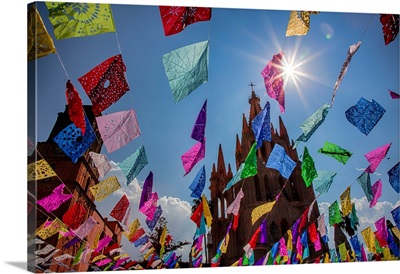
[[290, 71]]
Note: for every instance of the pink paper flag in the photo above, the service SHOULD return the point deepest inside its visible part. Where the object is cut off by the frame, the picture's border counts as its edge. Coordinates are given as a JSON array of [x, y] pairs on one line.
[[194, 155], [317, 244], [103, 262], [101, 163], [381, 228], [394, 95], [118, 129], [235, 205], [273, 80], [82, 231], [375, 157], [282, 248], [376, 193], [150, 207], [103, 243], [54, 200]]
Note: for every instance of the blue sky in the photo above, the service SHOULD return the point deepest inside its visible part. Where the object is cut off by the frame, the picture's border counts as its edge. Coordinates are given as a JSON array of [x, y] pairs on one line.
[[242, 41]]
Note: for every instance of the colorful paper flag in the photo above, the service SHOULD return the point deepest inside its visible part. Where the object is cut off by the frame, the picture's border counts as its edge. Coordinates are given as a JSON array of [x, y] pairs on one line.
[[198, 184], [375, 157], [152, 223], [103, 189], [394, 177], [199, 128], [101, 163], [40, 170], [74, 216], [334, 214], [394, 95], [250, 164], [234, 207], [132, 165], [390, 27], [82, 231], [364, 181], [369, 239], [147, 190], [299, 23], [273, 80], [261, 210], [194, 155], [236, 178], [345, 202], [324, 181], [40, 43], [261, 126], [119, 210], [279, 160], [376, 193], [308, 171], [335, 151], [54, 200], [396, 216], [365, 115]]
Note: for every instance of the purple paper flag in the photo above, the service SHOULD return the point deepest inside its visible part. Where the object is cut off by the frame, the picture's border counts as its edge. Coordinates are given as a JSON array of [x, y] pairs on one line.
[[147, 190], [54, 200], [273, 80], [376, 193], [198, 131], [263, 232], [103, 243]]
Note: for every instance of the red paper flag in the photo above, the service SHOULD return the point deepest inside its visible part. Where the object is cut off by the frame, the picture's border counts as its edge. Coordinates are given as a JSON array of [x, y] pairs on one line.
[[73, 218], [75, 108], [120, 209], [390, 27], [197, 214]]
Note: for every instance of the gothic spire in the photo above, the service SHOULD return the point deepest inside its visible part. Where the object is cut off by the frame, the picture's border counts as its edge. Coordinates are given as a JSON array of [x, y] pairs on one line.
[[221, 162]]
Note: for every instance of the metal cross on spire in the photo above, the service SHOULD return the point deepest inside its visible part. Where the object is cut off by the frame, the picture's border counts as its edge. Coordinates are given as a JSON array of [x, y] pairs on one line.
[[252, 85]]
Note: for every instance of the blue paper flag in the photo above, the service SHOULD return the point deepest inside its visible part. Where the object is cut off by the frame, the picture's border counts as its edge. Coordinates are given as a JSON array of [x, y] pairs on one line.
[[197, 186], [365, 115], [141, 241], [72, 142], [279, 160], [356, 247], [396, 216], [261, 126], [394, 178], [152, 223]]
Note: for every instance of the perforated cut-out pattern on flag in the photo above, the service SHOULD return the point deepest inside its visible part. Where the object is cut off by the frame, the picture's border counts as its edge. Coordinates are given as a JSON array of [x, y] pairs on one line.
[[80, 19], [103, 189], [299, 23], [365, 115], [279, 160], [40, 43], [176, 19], [198, 184], [75, 108], [308, 170], [72, 142], [390, 27], [152, 223], [394, 177], [376, 193], [375, 157], [261, 125], [132, 165], [118, 129], [119, 210], [194, 155], [105, 84], [50, 228], [40, 170]]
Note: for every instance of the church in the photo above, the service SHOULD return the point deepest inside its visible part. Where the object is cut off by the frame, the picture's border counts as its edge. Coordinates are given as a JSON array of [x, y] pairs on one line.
[[294, 196]]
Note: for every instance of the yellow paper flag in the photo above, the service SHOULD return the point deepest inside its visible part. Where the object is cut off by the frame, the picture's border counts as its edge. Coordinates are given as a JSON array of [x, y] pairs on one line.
[[145, 257], [206, 211], [49, 229], [261, 210], [103, 189], [132, 228], [40, 170], [369, 239], [40, 43], [345, 202], [289, 240], [162, 240], [299, 23]]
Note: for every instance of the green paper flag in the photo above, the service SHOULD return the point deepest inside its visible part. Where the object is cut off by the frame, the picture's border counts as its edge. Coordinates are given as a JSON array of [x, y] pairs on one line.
[[250, 164], [334, 214], [78, 255], [336, 152], [364, 180], [308, 171], [80, 19]]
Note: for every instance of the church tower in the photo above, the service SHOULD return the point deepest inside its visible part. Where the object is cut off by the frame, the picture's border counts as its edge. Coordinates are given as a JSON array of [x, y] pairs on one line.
[[265, 186], [78, 178]]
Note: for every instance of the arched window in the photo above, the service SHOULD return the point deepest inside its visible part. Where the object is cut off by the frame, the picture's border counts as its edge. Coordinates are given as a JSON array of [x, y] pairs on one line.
[[284, 225], [258, 188], [273, 229], [268, 190], [219, 207]]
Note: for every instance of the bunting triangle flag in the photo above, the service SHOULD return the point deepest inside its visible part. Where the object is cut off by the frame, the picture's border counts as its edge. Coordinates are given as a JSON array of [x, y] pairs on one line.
[[335, 151], [365, 115], [198, 184], [105, 84], [345, 202], [197, 214], [40, 43], [118, 129], [394, 95], [261, 210], [132, 165], [274, 81], [351, 51], [55, 199], [80, 19], [73, 142], [308, 171], [279, 160], [376, 156], [299, 23], [312, 123], [186, 69], [261, 126], [334, 214]]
